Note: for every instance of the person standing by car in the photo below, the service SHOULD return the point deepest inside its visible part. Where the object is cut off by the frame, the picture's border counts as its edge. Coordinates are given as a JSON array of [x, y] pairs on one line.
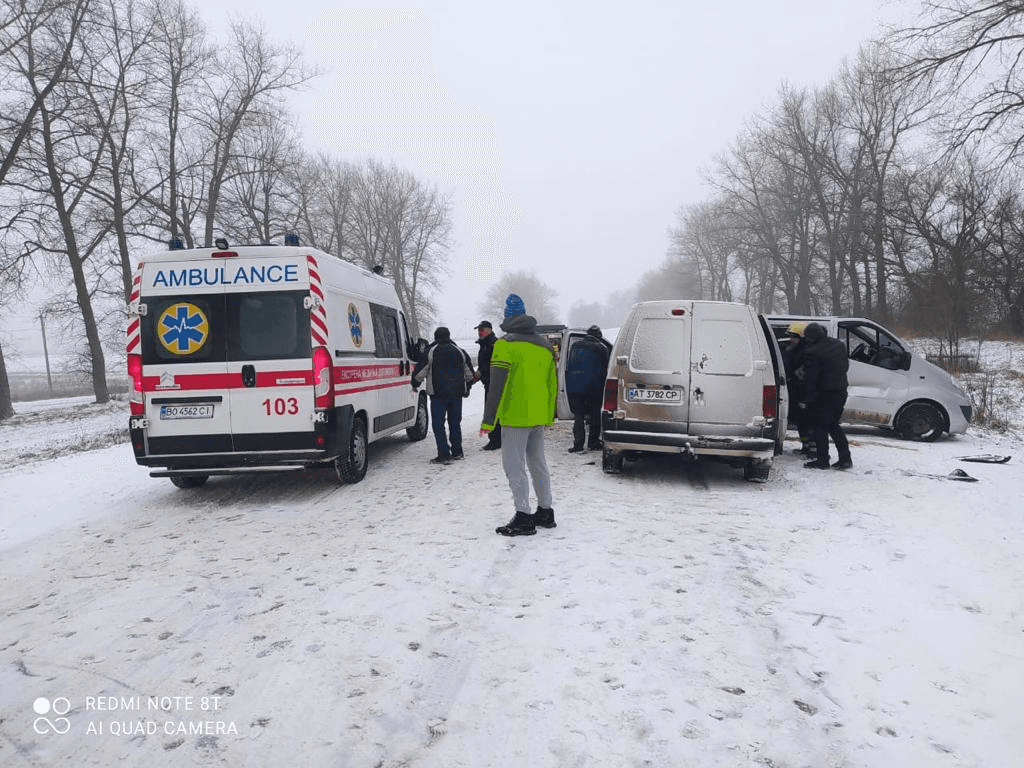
[[825, 365], [792, 361], [522, 397], [585, 372], [483, 366], [449, 374]]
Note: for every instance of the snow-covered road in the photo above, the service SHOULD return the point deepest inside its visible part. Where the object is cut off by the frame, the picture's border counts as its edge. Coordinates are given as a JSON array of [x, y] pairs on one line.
[[678, 616]]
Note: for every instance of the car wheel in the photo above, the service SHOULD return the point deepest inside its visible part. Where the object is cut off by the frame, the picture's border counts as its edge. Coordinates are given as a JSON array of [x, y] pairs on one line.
[[419, 430], [189, 481], [611, 463], [350, 466], [920, 421], [756, 471]]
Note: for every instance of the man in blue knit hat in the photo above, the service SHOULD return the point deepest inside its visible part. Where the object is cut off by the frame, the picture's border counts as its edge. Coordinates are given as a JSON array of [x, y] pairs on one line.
[[523, 388]]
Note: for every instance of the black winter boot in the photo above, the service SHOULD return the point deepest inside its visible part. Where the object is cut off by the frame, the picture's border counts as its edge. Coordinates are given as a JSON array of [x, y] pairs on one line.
[[521, 525], [544, 518]]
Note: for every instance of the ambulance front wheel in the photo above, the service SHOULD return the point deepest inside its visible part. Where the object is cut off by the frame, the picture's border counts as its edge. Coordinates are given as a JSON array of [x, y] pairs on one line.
[[350, 465], [189, 481], [419, 430]]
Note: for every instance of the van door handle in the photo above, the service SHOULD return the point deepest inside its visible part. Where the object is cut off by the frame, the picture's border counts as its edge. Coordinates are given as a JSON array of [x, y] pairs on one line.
[[248, 375]]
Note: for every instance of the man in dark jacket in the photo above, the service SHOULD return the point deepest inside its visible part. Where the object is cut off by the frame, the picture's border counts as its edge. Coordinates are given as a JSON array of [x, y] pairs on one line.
[[483, 366], [448, 373], [585, 373], [825, 365], [793, 360]]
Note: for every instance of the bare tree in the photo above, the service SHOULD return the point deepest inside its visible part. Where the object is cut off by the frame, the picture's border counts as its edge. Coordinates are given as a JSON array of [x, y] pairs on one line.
[[399, 224], [945, 210], [262, 183], [704, 236], [537, 295], [254, 73], [973, 51], [881, 112], [37, 39]]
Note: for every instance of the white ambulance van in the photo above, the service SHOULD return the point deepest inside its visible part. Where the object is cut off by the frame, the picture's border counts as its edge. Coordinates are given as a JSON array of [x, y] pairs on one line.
[[266, 357]]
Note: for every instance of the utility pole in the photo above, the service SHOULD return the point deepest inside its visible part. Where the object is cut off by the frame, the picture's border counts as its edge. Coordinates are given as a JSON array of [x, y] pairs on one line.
[[46, 355]]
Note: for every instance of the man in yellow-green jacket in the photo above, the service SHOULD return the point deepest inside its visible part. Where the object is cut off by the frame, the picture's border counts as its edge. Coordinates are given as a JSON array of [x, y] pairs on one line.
[[521, 396]]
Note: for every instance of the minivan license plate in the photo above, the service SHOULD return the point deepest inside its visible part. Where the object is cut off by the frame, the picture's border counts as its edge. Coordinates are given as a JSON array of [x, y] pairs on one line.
[[653, 395], [186, 411]]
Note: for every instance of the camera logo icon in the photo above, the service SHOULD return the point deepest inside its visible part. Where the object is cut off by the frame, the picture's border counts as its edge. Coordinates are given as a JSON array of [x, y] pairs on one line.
[[43, 707]]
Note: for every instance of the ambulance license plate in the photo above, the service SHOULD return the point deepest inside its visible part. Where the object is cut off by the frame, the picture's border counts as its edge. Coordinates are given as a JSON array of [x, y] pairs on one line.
[[186, 411], [652, 395]]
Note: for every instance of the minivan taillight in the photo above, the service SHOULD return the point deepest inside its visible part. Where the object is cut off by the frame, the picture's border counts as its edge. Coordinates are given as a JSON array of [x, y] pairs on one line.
[[611, 394], [770, 402], [135, 374], [323, 384]]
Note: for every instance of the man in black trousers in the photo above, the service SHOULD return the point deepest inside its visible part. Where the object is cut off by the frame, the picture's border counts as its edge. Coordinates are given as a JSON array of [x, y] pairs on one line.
[[825, 365], [483, 366]]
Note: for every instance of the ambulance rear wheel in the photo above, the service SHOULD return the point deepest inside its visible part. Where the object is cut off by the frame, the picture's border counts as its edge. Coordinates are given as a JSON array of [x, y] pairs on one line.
[[189, 481], [350, 465], [419, 430]]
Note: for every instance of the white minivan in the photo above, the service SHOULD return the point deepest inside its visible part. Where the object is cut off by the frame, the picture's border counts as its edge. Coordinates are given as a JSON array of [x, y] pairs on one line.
[[699, 378], [889, 385], [265, 357]]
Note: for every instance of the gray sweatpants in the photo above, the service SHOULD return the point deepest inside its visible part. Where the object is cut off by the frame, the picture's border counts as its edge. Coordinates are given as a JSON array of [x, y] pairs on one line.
[[523, 447]]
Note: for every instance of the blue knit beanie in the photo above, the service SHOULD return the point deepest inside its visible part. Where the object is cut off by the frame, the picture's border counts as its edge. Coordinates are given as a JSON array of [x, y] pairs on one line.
[[514, 306]]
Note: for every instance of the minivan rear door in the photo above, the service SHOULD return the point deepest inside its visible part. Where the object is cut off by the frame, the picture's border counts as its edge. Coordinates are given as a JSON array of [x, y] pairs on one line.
[[655, 383], [722, 364]]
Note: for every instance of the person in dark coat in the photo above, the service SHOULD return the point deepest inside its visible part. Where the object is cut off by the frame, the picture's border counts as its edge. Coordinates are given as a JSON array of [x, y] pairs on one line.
[[825, 365], [585, 373], [792, 361], [483, 366], [448, 374]]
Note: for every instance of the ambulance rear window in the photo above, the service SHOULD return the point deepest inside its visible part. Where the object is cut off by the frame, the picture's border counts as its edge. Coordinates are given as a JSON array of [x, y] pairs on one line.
[[267, 326]]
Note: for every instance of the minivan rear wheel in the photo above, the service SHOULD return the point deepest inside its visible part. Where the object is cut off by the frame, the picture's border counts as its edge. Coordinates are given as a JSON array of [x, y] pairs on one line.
[[189, 481], [350, 466], [611, 463], [756, 471], [920, 421]]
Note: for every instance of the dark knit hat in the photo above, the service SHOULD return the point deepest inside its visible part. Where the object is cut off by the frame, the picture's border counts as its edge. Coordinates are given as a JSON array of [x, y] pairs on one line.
[[814, 332], [514, 306], [442, 334], [595, 332]]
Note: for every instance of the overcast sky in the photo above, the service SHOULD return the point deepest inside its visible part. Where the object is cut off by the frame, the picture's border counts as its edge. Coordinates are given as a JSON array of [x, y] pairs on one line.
[[568, 134]]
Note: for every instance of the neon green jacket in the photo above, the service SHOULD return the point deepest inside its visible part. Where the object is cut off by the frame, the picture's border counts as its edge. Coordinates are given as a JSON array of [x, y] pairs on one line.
[[524, 383]]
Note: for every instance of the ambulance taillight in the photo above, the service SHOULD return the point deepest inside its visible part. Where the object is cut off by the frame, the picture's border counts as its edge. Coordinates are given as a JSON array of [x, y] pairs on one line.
[[323, 384], [135, 374]]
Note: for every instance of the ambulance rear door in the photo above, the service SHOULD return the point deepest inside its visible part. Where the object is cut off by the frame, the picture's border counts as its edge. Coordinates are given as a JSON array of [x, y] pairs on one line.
[[269, 356], [185, 374]]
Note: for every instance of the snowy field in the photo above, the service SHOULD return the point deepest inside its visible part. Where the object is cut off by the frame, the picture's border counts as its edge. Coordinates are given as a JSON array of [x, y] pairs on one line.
[[677, 616]]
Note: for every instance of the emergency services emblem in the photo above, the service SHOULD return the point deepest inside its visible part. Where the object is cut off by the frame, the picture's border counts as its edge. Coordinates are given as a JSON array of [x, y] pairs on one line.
[[183, 329], [355, 325]]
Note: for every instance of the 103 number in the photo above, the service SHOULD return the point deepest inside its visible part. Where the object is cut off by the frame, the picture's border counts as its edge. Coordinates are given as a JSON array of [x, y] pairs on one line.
[[281, 406]]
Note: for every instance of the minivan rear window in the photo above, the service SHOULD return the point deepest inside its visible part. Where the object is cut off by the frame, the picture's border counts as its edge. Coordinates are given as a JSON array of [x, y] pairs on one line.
[[724, 348], [658, 345]]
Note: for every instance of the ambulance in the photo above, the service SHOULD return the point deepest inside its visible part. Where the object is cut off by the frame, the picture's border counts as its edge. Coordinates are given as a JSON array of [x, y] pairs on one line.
[[265, 358]]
